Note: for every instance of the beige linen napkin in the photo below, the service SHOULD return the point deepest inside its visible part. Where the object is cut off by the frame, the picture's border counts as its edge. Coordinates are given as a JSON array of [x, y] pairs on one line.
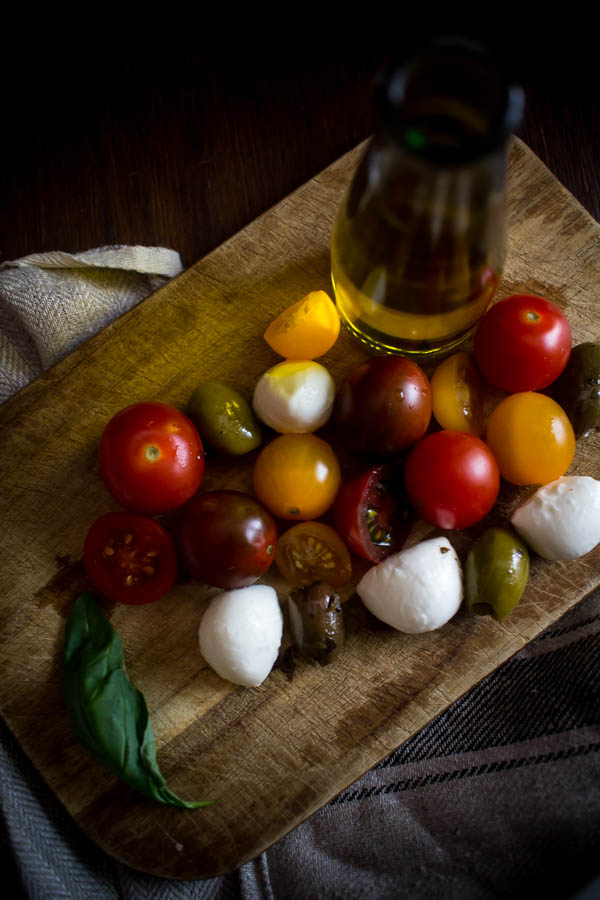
[[50, 302]]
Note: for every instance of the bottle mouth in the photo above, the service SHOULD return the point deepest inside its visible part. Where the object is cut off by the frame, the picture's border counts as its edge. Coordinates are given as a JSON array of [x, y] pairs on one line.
[[451, 102]]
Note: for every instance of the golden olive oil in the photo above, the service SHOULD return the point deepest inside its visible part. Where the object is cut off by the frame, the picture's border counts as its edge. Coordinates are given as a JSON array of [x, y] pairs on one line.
[[416, 278], [419, 242]]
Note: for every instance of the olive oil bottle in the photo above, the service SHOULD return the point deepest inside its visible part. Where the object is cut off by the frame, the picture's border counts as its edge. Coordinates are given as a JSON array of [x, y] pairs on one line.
[[419, 242]]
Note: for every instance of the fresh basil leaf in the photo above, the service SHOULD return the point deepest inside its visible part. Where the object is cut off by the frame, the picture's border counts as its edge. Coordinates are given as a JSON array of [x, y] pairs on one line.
[[108, 714]]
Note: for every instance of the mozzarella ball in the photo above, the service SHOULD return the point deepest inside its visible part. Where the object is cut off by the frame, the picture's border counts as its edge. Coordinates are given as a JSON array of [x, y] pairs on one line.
[[416, 590], [240, 634], [562, 519], [294, 397]]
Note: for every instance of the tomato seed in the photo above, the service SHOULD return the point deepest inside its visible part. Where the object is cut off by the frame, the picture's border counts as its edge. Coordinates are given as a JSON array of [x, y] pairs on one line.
[[127, 537], [108, 551], [128, 581], [148, 570]]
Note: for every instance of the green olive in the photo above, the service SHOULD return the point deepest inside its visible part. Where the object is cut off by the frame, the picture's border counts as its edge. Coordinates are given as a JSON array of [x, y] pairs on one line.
[[496, 572], [223, 418], [578, 388]]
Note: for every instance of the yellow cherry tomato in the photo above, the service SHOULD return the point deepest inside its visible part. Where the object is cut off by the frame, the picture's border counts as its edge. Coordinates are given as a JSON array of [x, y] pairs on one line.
[[457, 395], [297, 476], [305, 330], [531, 438]]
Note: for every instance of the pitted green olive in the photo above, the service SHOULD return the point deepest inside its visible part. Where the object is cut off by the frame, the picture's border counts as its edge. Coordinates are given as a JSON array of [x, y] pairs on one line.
[[224, 418], [578, 388], [496, 573]]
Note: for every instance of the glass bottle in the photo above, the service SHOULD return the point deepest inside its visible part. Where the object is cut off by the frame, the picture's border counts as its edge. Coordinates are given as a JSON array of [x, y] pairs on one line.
[[419, 242]]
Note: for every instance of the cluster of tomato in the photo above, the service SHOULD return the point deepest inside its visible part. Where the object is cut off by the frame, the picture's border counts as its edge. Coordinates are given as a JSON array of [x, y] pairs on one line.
[[152, 461]]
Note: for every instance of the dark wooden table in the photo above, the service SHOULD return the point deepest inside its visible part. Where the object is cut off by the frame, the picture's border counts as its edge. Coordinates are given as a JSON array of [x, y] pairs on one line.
[[185, 153]]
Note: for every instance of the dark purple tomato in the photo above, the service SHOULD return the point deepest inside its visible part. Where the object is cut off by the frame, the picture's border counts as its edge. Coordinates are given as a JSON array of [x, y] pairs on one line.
[[372, 513], [227, 538], [383, 407]]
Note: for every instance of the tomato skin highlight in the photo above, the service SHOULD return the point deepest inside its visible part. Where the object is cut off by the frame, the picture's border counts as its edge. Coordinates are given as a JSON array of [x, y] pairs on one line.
[[370, 502], [382, 407], [226, 539], [129, 558], [452, 479], [522, 343], [531, 437], [151, 458]]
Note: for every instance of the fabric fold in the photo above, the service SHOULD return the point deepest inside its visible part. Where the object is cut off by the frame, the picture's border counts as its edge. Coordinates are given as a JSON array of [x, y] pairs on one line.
[[51, 302]]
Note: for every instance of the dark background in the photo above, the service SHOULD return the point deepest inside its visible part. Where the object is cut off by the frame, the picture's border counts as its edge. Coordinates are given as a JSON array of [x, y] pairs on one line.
[[162, 147], [140, 143]]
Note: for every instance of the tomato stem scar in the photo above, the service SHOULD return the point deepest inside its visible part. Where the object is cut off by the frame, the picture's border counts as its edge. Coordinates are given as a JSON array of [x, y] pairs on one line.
[[152, 453]]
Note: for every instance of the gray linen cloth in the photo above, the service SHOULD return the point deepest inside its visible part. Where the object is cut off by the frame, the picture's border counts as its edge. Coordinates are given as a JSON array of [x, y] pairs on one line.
[[498, 797], [50, 302]]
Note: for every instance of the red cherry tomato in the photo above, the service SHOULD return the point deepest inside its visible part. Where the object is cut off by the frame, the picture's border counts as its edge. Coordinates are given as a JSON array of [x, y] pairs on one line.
[[227, 539], [129, 558], [383, 407], [151, 458], [452, 478], [522, 343], [372, 513]]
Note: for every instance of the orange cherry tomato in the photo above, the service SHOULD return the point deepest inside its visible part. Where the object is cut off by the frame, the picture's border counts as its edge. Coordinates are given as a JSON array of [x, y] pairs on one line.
[[310, 552], [457, 395], [305, 330], [531, 438], [297, 476]]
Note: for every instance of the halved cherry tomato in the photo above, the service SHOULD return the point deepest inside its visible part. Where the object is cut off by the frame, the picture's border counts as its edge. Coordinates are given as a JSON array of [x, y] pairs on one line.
[[522, 343], [457, 395], [226, 538], [151, 458], [531, 437], [372, 513], [452, 479], [297, 476], [129, 558], [383, 406], [311, 551], [305, 330]]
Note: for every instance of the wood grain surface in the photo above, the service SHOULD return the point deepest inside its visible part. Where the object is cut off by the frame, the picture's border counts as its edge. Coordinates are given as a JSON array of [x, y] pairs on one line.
[[185, 152], [267, 756]]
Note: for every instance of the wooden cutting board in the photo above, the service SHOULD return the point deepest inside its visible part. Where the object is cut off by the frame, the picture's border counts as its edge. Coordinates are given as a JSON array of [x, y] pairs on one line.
[[267, 756]]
